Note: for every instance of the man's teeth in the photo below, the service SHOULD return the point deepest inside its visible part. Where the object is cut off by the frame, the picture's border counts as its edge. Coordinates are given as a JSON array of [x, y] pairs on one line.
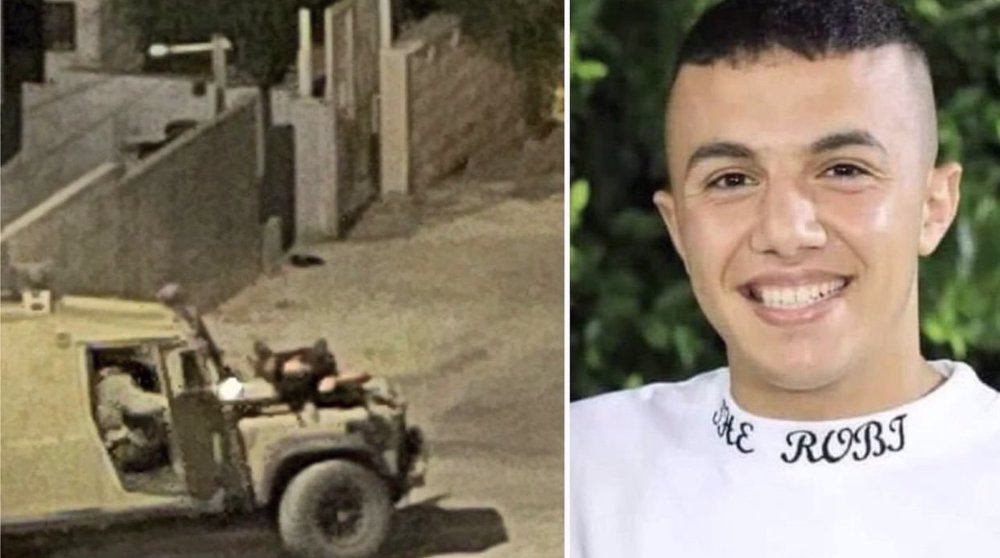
[[798, 297]]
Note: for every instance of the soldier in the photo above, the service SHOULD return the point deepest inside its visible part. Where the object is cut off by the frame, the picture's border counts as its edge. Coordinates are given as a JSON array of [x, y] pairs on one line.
[[132, 421]]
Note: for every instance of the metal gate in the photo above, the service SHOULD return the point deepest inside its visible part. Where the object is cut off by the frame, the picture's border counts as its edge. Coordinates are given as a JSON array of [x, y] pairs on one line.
[[350, 55], [355, 80]]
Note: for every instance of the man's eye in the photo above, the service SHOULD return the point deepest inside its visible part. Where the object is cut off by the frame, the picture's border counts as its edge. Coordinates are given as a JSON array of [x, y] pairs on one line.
[[730, 180], [845, 170]]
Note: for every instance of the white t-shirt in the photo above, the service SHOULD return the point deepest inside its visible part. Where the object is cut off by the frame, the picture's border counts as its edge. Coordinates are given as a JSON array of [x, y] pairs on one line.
[[679, 470]]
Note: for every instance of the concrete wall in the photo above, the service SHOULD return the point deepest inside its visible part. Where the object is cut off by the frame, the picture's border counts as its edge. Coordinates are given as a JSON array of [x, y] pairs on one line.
[[316, 209], [336, 135], [394, 124], [189, 213], [80, 120], [455, 101]]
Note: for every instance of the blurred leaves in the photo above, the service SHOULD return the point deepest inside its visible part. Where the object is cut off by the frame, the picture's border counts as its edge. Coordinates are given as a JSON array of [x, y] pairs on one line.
[[633, 316], [579, 195], [584, 70], [960, 284]]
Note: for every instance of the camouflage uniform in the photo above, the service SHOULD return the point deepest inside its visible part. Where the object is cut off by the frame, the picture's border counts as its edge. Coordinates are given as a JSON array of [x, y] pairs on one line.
[[132, 421]]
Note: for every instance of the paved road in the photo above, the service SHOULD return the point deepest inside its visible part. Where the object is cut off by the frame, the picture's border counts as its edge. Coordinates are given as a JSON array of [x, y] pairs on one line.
[[467, 314]]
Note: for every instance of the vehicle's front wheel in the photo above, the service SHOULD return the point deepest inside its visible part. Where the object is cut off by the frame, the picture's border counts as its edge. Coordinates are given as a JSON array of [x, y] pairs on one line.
[[335, 509]]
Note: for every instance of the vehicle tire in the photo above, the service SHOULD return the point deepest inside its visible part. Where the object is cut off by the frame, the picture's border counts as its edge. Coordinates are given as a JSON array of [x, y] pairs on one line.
[[335, 509]]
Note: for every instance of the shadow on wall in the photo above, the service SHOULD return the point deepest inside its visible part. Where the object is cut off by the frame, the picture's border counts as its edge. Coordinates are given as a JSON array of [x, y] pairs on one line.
[[10, 109], [278, 188]]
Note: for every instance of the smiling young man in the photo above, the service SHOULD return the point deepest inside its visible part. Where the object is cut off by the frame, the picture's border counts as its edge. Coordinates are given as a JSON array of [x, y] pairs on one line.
[[801, 147]]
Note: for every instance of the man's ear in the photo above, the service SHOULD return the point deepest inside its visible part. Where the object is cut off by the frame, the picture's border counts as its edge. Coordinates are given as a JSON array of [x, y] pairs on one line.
[[940, 205], [667, 207]]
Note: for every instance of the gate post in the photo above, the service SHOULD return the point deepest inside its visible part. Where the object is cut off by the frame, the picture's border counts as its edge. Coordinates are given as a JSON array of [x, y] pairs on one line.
[[328, 54], [305, 53], [385, 23]]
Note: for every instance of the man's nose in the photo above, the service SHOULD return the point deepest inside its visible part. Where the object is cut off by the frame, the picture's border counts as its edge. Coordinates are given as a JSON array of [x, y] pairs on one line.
[[787, 221]]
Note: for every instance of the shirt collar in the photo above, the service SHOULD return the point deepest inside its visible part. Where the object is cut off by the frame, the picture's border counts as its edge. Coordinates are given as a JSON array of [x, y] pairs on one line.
[[926, 425]]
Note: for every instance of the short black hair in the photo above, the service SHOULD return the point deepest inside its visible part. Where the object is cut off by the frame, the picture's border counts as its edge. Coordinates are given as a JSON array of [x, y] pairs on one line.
[[741, 30]]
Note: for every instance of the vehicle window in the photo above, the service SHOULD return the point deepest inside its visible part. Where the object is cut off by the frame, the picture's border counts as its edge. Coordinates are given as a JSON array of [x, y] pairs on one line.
[[194, 377], [132, 416], [138, 361]]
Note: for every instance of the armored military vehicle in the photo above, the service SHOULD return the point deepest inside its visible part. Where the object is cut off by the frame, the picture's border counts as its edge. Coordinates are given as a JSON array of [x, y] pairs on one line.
[[331, 477]]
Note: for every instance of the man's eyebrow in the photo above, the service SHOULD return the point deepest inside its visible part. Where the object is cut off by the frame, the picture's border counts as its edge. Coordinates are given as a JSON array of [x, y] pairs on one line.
[[734, 150], [846, 139], [724, 149]]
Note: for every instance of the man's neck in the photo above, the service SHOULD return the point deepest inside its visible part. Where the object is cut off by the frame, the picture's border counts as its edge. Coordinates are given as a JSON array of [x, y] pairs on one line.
[[878, 385]]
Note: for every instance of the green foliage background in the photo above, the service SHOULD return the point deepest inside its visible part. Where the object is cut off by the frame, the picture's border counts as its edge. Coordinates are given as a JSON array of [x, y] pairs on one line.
[[633, 315]]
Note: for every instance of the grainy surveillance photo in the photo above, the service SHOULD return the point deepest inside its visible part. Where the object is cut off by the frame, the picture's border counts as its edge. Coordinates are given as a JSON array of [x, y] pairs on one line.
[[282, 278]]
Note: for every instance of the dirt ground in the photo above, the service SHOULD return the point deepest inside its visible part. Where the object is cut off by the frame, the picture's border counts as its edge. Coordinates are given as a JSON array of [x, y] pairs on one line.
[[462, 304]]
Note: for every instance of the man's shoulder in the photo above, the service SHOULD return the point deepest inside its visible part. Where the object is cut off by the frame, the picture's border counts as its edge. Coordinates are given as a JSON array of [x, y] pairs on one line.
[[659, 405], [114, 384], [689, 390]]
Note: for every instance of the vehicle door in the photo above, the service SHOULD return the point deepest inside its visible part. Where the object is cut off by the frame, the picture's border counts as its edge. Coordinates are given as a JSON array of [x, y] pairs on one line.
[[198, 423]]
